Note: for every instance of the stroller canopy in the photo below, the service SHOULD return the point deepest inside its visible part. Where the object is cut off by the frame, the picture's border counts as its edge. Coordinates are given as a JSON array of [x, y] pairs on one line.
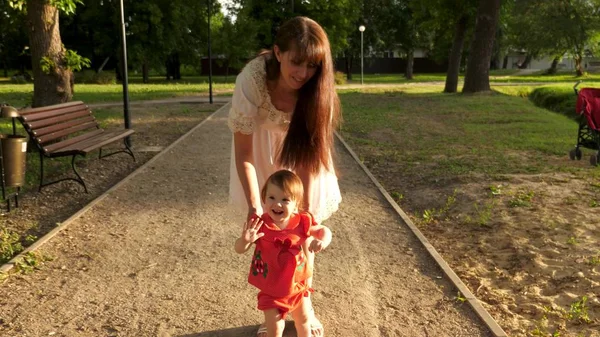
[[588, 104]]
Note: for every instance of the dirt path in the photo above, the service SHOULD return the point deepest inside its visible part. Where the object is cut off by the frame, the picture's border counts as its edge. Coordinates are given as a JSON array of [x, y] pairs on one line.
[[155, 258]]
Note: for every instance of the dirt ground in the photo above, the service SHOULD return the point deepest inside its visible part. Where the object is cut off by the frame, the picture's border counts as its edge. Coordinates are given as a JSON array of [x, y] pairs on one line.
[[155, 258], [527, 246]]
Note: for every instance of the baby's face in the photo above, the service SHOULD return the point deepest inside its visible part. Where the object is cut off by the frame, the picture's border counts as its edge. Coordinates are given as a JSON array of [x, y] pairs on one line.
[[279, 204]]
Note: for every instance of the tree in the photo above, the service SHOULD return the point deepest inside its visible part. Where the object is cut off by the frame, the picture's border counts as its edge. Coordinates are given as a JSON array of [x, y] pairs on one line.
[[231, 41], [480, 53], [13, 39], [52, 63], [450, 21], [542, 28]]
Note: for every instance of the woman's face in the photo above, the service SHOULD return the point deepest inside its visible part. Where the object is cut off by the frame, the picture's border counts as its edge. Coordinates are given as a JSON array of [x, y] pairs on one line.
[[294, 72]]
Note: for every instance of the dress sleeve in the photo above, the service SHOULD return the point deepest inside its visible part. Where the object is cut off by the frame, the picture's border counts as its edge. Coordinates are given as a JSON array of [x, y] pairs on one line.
[[244, 104]]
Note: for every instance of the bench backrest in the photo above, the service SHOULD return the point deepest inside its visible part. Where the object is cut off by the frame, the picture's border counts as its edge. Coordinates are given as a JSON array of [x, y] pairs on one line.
[[57, 123]]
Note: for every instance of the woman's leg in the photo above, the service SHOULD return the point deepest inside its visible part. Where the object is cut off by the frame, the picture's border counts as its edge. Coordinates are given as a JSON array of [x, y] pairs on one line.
[[274, 323], [316, 329], [302, 318]]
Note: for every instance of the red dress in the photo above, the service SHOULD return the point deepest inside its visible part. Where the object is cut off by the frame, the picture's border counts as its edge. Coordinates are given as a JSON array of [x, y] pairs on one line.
[[279, 266]]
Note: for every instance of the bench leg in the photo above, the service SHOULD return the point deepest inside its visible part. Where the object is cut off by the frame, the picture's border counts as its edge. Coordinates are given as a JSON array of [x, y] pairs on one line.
[[78, 179], [41, 172], [127, 150]]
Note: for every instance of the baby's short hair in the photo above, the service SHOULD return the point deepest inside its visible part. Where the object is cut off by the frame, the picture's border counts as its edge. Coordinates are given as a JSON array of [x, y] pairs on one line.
[[289, 182]]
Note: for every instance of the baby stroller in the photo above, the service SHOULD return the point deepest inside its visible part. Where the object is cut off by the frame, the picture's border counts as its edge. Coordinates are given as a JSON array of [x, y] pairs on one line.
[[588, 107]]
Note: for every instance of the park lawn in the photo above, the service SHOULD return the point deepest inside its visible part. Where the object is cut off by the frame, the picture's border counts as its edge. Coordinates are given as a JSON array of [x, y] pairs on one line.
[[487, 179], [455, 133], [496, 76], [20, 95]]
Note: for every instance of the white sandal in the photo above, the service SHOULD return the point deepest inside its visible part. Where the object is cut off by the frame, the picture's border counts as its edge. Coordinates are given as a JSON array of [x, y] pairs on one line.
[[262, 331]]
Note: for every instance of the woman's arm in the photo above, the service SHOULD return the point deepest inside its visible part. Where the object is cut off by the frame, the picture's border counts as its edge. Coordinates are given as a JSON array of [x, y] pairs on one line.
[[307, 182], [247, 172], [322, 235]]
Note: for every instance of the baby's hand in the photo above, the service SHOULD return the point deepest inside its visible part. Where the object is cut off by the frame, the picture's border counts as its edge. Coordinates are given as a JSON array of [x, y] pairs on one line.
[[250, 231], [316, 246]]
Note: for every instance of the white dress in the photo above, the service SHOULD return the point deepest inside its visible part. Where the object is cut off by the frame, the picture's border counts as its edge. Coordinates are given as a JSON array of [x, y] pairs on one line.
[[253, 113]]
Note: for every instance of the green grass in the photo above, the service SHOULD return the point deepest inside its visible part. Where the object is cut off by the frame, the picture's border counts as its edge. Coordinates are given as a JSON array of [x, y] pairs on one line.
[[456, 134], [496, 76], [20, 95]]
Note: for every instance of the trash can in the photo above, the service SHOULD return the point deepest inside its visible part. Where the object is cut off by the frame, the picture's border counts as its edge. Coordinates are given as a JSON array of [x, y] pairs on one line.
[[14, 155]]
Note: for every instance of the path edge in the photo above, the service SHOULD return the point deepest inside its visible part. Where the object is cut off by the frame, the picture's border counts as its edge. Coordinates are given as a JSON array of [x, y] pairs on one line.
[[483, 314], [8, 266]]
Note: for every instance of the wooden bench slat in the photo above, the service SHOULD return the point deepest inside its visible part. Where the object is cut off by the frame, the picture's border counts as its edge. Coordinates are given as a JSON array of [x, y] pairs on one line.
[[63, 126], [56, 135], [49, 121], [68, 129], [58, 147], [53, 113], [28, 111], [98, 141]]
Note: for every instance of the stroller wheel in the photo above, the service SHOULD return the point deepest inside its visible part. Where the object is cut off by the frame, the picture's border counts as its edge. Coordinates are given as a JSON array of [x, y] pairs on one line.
[[575, 153], [594, 159]]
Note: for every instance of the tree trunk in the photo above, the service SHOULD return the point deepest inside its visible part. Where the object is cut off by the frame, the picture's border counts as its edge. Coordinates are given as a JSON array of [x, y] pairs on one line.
[[145, 77], [410, 62], [44, 37], [477, 77], [456, 55], [505, 62], [349, 68], [553, 66], [176, 67], [226, 69], [578, 68], [526, 62]]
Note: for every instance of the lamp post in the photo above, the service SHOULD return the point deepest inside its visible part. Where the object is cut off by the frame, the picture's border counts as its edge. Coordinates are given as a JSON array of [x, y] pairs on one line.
[[125, 79], [362, 29], [210, 93]]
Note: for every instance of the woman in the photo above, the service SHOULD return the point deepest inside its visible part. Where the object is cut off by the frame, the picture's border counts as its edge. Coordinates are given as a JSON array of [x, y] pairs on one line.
[[283, 114]]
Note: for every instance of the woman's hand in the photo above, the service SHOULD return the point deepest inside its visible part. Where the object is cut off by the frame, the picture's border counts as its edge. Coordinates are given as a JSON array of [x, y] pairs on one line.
[[250, 232], [254, 212], [316, 246]]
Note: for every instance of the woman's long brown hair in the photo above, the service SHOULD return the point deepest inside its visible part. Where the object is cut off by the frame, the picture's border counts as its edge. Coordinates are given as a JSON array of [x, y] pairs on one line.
[[309, 141]]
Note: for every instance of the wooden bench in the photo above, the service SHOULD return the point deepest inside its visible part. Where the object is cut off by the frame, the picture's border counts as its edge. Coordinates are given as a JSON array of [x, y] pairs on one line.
[[68, 129]]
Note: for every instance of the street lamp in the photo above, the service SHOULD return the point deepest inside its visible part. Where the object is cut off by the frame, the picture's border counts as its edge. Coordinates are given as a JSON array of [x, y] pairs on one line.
[[125, 76], [362, 29]]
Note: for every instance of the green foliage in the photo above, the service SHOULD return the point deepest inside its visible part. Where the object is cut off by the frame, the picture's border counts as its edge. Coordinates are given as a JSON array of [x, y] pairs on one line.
[[484, 214], [10, 245], [75, 61], [521, 199], [340, 77], [71, 59], [65, 6], [30, 262], [579, 311], [92, 77], [397, 196], [47, 64]]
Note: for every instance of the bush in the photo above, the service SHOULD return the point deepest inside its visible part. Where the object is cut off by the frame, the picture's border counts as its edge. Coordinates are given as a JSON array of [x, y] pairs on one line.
[[561, 100], [90, 76], [340, 77], [21, 78]]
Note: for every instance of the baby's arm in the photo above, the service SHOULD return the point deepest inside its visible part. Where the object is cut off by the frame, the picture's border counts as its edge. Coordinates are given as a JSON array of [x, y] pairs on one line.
[[249, 235], [322, 238]]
